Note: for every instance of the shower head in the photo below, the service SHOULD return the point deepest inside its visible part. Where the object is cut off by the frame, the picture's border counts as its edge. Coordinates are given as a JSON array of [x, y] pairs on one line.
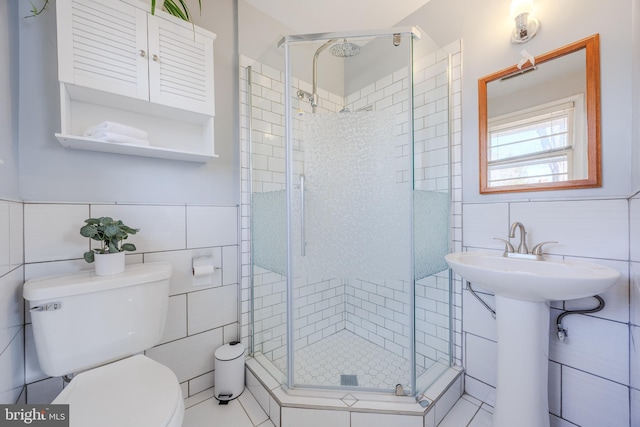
[[345, 49], [341, 50]]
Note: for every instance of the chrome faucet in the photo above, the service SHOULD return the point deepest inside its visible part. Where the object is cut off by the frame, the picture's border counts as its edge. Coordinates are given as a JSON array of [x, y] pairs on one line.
[[523, 250], [522, 247]]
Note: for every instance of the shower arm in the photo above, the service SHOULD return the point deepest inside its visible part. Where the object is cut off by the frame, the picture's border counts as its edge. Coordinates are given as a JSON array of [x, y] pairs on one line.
[[314, 95]]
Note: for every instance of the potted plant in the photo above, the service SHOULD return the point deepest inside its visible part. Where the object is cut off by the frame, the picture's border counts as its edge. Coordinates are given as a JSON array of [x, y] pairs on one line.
[[109, 257], [176, 8]]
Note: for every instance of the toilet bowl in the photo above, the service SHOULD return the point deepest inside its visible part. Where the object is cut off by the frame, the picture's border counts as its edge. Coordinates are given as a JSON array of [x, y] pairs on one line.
[[97, 326], [133, 392]]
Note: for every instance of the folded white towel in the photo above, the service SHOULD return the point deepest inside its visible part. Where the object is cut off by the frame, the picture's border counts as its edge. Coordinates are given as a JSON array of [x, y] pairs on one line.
[[114, 127], [119, 139]]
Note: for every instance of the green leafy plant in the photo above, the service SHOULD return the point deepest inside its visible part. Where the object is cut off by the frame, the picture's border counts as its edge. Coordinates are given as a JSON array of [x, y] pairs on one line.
[[177, 8], [35, 11], [110, 233]]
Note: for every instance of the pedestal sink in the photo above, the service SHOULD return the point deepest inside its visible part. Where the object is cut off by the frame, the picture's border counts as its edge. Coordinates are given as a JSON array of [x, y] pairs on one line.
[[523, 289]]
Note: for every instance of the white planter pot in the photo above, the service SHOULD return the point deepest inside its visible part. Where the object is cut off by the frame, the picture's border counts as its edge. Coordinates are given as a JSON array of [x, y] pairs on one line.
[[108, 264]]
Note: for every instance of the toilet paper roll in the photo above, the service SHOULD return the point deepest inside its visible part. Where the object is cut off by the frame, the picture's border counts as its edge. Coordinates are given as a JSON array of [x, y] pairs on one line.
[[202, 270]]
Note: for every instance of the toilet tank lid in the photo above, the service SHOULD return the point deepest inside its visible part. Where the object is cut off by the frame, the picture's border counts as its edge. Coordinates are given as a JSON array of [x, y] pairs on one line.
[[45, 288]]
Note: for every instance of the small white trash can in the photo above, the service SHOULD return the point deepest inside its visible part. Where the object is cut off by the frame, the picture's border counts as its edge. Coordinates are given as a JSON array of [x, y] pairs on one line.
[[229, 371]]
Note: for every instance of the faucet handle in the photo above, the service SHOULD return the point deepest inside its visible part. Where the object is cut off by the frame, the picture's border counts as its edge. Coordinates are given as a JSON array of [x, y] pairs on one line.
[[537, 249], [508, 247]]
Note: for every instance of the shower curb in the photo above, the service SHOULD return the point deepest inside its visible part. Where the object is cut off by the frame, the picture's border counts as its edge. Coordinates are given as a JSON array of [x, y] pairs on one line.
[[274, 398]]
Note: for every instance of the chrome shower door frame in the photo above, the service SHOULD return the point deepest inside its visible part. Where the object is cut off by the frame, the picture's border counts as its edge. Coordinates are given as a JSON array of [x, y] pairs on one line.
[[285, 43]]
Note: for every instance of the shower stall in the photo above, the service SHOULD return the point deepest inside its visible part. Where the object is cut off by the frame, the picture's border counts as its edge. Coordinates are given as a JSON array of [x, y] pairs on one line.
[[346, 177]]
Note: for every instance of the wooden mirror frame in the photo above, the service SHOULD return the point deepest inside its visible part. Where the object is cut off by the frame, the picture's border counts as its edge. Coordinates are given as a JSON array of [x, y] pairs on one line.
[[592, 105]]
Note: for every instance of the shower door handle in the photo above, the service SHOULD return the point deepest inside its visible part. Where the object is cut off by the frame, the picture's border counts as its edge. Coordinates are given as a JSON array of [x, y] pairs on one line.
[[302, 224]]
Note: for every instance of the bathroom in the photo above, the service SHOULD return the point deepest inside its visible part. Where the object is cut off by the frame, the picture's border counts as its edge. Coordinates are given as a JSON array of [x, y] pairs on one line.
[[188, 210]]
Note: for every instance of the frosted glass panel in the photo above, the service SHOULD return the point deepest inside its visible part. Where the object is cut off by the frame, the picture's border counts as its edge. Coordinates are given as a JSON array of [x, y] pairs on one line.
[[356, 214], [431, 223], [269, 231]]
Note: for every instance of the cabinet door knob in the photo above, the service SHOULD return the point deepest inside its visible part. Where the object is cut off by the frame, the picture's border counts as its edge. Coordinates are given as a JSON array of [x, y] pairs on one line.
[[142, 53], [155, 58]]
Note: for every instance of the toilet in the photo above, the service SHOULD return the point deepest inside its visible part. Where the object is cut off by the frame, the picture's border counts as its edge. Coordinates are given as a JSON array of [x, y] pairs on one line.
[[95, 327]]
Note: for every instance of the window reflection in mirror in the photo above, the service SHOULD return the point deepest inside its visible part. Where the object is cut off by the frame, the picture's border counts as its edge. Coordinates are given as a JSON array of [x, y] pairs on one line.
[[539, 125]]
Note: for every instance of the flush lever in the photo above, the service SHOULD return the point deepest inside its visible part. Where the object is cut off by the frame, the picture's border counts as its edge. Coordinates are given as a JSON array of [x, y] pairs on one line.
[[50, 306]]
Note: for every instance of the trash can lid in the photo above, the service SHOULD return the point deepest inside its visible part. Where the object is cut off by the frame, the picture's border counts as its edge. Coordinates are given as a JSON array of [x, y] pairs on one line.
[[230, 351]]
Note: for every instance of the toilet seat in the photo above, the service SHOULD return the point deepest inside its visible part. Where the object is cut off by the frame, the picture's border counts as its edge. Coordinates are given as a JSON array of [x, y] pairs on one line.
[[133, 392]]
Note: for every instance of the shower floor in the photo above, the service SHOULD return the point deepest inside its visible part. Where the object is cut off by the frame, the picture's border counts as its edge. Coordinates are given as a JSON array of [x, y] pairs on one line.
[[323, 363]]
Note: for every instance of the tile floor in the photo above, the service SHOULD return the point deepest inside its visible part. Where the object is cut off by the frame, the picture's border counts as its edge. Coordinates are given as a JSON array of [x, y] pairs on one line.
[[323, 362], [203, 411]]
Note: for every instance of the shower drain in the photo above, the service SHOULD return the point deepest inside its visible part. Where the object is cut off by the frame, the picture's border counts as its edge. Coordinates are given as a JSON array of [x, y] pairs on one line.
[[349, 380]]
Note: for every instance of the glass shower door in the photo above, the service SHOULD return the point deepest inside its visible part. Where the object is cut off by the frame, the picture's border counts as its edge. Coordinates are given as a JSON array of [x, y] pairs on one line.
[[266, 188], [348, 176], [350, 225]]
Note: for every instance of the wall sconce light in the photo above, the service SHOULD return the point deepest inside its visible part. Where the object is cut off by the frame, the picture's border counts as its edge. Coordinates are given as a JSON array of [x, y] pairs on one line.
[[526, 25]]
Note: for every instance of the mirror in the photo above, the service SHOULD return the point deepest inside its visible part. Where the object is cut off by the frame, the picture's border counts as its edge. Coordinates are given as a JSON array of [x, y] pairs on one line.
[[540, 125]]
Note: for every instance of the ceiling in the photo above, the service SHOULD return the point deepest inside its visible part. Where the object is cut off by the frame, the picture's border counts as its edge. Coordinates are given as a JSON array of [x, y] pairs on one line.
[[320, 16]]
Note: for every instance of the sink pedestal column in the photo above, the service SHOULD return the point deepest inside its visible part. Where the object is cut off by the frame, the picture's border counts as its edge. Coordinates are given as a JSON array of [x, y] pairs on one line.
[[523, 363]]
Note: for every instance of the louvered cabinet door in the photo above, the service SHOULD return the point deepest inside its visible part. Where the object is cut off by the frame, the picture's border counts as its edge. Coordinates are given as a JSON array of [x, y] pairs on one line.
[[180, 66], [103, 45]]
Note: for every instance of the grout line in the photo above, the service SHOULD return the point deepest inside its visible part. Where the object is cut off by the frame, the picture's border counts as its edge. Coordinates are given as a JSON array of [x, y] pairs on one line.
[[474, 415]]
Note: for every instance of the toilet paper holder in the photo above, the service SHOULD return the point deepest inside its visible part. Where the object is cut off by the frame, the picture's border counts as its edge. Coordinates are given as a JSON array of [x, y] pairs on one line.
[[203, 266]]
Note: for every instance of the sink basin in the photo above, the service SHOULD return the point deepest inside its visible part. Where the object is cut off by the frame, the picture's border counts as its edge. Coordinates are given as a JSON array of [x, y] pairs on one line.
[[532, 280]]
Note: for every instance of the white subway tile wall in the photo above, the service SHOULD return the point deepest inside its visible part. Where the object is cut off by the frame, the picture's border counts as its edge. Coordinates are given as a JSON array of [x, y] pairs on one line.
[[591, 401], [32, 369], [480, 359], [481, 223], [571, 224], [12, 364], [634, 282], [616, 297], [164, 226], [455, 51], [555, 388], [12, 374], [318, 311], [210, 308], [635, 406], [202, 313], [46, 243], [269, 313], [377, 311], [176, 326], [319, 303]]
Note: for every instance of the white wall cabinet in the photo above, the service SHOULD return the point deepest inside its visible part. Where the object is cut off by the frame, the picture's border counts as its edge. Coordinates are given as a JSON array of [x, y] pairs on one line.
[[118, 62], [181, 72]]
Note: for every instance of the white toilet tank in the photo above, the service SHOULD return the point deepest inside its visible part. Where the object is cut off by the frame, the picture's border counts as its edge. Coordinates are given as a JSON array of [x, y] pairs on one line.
[[81, 320]]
